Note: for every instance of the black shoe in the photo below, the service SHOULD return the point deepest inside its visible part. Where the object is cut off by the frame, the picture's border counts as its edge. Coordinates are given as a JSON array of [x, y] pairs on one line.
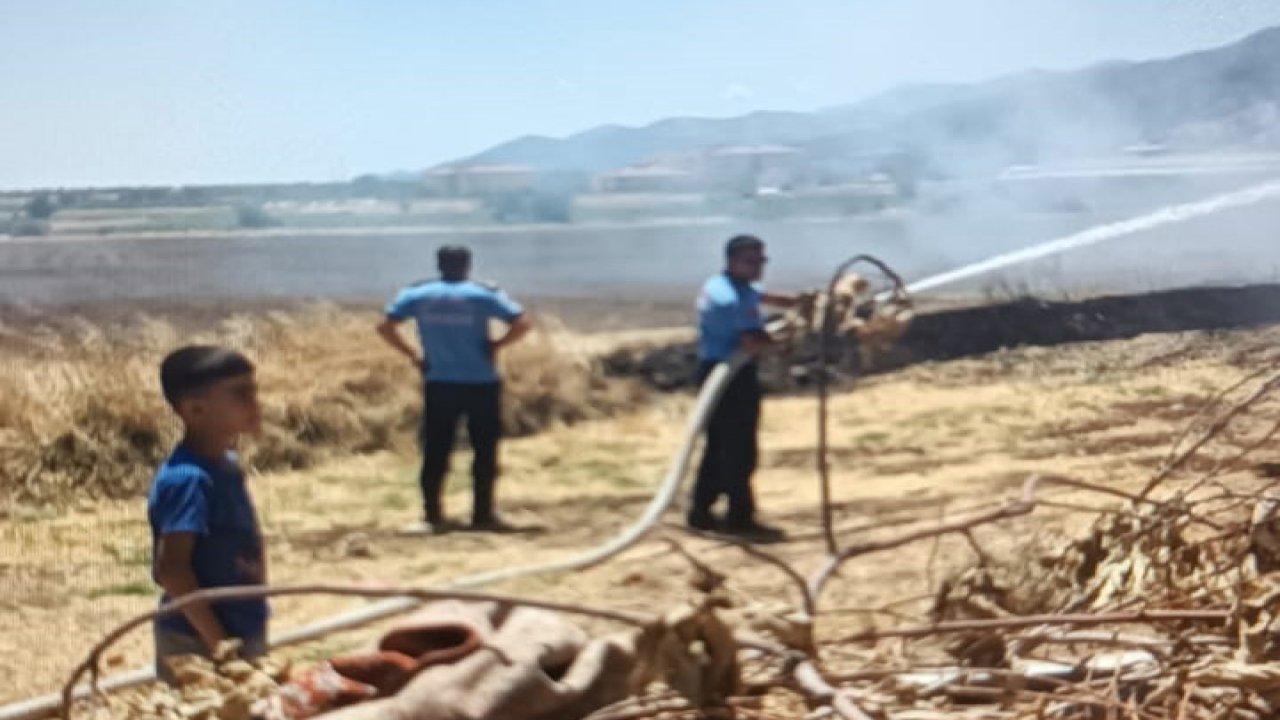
[[703, 523], [492, 524], [756, 532]]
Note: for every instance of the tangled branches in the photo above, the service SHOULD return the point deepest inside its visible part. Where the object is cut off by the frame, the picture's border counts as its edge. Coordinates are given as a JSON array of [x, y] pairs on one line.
[[1165, 608]]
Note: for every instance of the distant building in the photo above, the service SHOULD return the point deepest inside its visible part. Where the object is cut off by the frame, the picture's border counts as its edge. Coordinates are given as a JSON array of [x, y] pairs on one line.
[[646, 179], [453, 211], [99, 198], [13, 203], [747, 168], [479, 180], [371, 212], [347, 206], [10, 207], [634, 207], [441, 182], [875, 193]]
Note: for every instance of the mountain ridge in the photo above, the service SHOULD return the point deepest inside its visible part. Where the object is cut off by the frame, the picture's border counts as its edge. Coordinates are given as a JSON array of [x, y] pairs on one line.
[[1222, 96]]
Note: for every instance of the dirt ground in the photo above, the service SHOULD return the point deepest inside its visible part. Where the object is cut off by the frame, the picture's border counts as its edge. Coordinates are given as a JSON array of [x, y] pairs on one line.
[[924, 443]]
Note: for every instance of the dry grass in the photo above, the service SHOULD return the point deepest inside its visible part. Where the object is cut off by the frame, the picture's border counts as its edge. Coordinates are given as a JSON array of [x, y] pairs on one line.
[[81, 414], [931, 441]]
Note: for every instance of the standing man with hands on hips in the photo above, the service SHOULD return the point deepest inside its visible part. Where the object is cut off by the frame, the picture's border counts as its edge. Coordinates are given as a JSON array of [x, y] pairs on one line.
[[452, 313]]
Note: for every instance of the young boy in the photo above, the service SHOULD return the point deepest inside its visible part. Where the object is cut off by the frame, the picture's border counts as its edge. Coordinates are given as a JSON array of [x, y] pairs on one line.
[[203, 525]]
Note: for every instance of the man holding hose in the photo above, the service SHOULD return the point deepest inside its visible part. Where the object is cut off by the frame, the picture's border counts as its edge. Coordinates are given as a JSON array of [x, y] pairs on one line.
[[730, 321]]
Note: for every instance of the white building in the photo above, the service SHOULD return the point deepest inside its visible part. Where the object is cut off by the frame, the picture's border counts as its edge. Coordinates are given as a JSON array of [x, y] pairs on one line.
[[747, 168], [442, 181], [853, 198], [636, 207], [479, 180], [646, 179]]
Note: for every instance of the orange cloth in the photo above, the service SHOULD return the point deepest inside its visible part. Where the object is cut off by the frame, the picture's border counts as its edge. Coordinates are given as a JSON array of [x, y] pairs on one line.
[[350, 679]]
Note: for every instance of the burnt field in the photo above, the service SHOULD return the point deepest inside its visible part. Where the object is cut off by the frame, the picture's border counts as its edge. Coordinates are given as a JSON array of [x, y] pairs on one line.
[[959, 332]]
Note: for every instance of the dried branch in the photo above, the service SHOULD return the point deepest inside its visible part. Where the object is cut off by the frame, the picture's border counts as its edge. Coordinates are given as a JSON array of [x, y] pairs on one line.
[[633, 708], [1221, 423], [1208, 405], [825, 335], [910, 517], [746, 547], [1135, 499], [984, 560], [712, 577], [1084, 619], [1231, 462], [815, 686], [1024, 505], [1045, 636]]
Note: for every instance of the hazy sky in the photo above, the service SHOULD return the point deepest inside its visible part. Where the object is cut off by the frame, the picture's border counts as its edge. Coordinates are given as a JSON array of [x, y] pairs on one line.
[[127, 92]]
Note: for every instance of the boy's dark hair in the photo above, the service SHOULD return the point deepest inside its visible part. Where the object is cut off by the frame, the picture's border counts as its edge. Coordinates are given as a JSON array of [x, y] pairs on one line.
[[193, 368], [453, 259], [738, 243]]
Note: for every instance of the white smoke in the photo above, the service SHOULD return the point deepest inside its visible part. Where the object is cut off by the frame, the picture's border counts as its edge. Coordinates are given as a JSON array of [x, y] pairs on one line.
[[1102, 233]]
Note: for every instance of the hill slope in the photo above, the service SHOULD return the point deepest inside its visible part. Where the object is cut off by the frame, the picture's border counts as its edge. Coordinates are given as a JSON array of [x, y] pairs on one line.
[[1223, 96]]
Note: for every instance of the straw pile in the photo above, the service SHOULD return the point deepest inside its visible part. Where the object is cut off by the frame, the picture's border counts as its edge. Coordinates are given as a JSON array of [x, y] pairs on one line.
[[81, 413]]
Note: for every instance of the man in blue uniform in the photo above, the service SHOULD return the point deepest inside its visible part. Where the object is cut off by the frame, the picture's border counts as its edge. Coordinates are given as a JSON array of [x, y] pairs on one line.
[[729, 321], [452, 314]]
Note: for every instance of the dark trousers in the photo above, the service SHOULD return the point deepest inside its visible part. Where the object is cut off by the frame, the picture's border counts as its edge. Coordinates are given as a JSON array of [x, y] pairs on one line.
[[729, 458], [444, 404]]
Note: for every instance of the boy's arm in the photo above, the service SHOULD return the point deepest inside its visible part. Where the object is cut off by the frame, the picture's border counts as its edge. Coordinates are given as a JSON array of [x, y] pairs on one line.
[[178, 578]]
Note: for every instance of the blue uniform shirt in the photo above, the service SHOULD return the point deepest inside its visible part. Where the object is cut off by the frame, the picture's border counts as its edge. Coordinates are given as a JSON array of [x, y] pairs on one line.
[[191, 494], [453, 326], [726, 309]]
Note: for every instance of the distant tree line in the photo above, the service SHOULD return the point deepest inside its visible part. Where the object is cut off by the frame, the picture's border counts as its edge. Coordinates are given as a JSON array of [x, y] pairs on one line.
[[32, 220], [548, 202]]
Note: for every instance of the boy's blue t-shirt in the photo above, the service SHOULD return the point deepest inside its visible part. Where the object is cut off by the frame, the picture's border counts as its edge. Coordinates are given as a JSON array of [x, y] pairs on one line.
[[453, 326], [196, 495], [727, 308]]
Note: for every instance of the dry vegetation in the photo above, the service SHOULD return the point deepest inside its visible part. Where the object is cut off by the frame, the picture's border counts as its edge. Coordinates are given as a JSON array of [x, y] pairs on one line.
[[81, 416], [934, 443]]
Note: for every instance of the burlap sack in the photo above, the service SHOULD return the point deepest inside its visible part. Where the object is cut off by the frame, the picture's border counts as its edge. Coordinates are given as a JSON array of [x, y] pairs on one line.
[[534, 665]]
